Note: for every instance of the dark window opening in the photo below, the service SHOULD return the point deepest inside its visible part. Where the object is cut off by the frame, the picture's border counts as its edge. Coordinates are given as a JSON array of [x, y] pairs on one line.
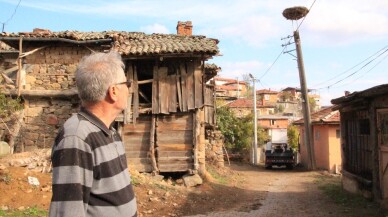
[[364, 126]]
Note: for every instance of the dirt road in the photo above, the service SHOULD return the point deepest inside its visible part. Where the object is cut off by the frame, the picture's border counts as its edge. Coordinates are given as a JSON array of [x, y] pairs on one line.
[[289, 193]]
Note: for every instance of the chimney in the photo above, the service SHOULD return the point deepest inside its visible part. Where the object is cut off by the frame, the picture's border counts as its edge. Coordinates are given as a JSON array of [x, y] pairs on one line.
[[347, 93], [184, 28]]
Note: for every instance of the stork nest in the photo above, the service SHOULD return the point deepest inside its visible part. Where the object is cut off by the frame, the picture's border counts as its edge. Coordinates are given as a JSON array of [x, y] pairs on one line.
[[295, 13]]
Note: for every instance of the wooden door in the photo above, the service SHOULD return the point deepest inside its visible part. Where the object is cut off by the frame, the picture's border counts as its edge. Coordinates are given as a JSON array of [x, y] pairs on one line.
[[174, 142], [382, 123]]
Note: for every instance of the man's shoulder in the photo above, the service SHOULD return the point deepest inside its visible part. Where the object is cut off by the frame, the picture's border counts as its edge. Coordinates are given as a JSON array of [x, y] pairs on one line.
[[78, 126]]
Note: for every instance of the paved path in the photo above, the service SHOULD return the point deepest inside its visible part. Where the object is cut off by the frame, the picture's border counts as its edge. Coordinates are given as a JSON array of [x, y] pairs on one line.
[[290, 193]]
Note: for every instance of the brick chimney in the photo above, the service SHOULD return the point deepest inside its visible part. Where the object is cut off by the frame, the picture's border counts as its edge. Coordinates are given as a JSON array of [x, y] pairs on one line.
[[184, 28], [347, 93]]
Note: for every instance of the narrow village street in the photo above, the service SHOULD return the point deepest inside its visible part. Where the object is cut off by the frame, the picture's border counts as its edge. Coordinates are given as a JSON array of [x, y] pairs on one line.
[[288, 193]]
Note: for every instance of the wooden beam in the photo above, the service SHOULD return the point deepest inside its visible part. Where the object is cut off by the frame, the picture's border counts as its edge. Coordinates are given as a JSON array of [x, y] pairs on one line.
[[127, 111], [198, 86], [18, 75], [152, 145], [183, 85], [190, 86], [145, 81], [44, 93], [135, 114], [179, 91], [155, 89], [172, 94]]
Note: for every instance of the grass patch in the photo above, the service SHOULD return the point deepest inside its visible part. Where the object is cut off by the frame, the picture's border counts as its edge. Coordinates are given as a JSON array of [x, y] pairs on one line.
[[31, 212], [353, 205], [216, 175]]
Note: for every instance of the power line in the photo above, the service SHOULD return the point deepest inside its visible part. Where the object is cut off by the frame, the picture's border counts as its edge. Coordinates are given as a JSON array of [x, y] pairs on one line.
[[352, 82], [350, 75], [343, 73], [10, 18], [306, 15]]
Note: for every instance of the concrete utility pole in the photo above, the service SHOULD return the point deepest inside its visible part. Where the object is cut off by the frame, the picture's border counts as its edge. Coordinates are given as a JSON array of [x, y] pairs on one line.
[[296, 13], [308, 137], [254, 121]]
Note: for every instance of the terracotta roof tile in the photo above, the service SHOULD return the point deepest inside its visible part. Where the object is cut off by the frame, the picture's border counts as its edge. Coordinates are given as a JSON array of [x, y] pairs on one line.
[[326, 115], [247, 103], [131, 43], [265, 91]]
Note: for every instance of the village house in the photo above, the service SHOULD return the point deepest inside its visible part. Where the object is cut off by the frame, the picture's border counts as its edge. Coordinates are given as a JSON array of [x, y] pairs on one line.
[[364, 142], [244, 107], [230, 89], [326, 140], [267, 96], [170, 108]]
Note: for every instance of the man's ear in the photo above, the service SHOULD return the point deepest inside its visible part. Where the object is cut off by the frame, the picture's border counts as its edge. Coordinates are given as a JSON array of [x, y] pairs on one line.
[[113, 92]]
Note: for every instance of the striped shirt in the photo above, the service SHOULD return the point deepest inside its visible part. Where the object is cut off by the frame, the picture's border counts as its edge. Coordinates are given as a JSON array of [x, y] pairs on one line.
[[90, 174]]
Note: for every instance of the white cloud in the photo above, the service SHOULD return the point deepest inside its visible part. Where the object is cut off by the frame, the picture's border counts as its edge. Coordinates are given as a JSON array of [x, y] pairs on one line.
[[238, 69], [155, 28], [345, 22]]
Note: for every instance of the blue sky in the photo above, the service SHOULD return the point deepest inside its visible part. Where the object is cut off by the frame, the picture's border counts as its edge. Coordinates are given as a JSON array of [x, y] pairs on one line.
[[336, 35]]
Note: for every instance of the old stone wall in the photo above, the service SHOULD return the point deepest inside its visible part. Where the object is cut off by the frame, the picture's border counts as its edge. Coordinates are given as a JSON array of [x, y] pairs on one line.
[[53, 68], [43, 118], [214, 148]]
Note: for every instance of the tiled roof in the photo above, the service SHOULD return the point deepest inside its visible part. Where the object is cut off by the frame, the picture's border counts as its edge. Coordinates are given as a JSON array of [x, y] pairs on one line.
[[229, 80], [272, 117], [128, 43], [265, 91], [326, 115], [247, 103], [226, 87], [359, 95]]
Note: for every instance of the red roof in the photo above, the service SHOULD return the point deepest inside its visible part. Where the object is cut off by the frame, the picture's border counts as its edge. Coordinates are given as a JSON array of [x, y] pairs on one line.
[[247, 103], [326, 115], [225, 87], [229, 80], [265, 91]]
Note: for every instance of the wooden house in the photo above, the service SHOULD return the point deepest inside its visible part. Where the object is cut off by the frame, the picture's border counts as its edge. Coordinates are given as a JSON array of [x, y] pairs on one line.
[[169, 107], [326, 139], [364, 141]]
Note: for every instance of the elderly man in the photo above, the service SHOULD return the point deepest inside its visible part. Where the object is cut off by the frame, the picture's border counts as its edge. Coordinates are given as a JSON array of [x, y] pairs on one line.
[[90, 175]]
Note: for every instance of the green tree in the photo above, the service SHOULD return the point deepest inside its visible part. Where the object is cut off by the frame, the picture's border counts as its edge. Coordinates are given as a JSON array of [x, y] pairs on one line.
[[312, 103], [238, 132], [293, 137]]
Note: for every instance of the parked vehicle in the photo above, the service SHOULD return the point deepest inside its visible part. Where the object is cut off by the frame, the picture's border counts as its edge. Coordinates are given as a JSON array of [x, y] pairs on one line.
[[278, 152]]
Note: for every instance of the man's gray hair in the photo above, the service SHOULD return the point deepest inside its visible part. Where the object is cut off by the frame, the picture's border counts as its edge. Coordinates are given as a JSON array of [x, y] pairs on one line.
[[95, 73]]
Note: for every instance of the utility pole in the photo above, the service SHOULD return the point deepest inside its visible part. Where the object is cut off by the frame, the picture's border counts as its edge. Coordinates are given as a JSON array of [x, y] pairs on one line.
[[308, 138], [296, 13], [254, 121]]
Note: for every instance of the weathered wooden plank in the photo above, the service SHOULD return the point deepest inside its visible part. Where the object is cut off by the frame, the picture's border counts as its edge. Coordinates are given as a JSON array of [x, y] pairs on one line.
[[137, 154], [165, 137], [164, 92], [179, 90], [174, 127], [173, 93], [198, 85], [183, 87], [127, 112], [174, 147], [135, 114], [167, 154], [152, 144], [131, 147], [175, 118], [175, 160], [190, 86], [155, 91], [139, 127], [175, 168]]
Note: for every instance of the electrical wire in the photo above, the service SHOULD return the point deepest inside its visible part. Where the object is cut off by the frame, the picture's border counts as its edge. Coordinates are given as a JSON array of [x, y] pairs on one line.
[[343, 73], [358, 70], [277, 58], [11, 17], [352, 82]]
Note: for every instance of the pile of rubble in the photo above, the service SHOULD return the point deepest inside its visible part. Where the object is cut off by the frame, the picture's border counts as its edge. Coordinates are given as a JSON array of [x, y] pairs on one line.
[[38, 160]]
